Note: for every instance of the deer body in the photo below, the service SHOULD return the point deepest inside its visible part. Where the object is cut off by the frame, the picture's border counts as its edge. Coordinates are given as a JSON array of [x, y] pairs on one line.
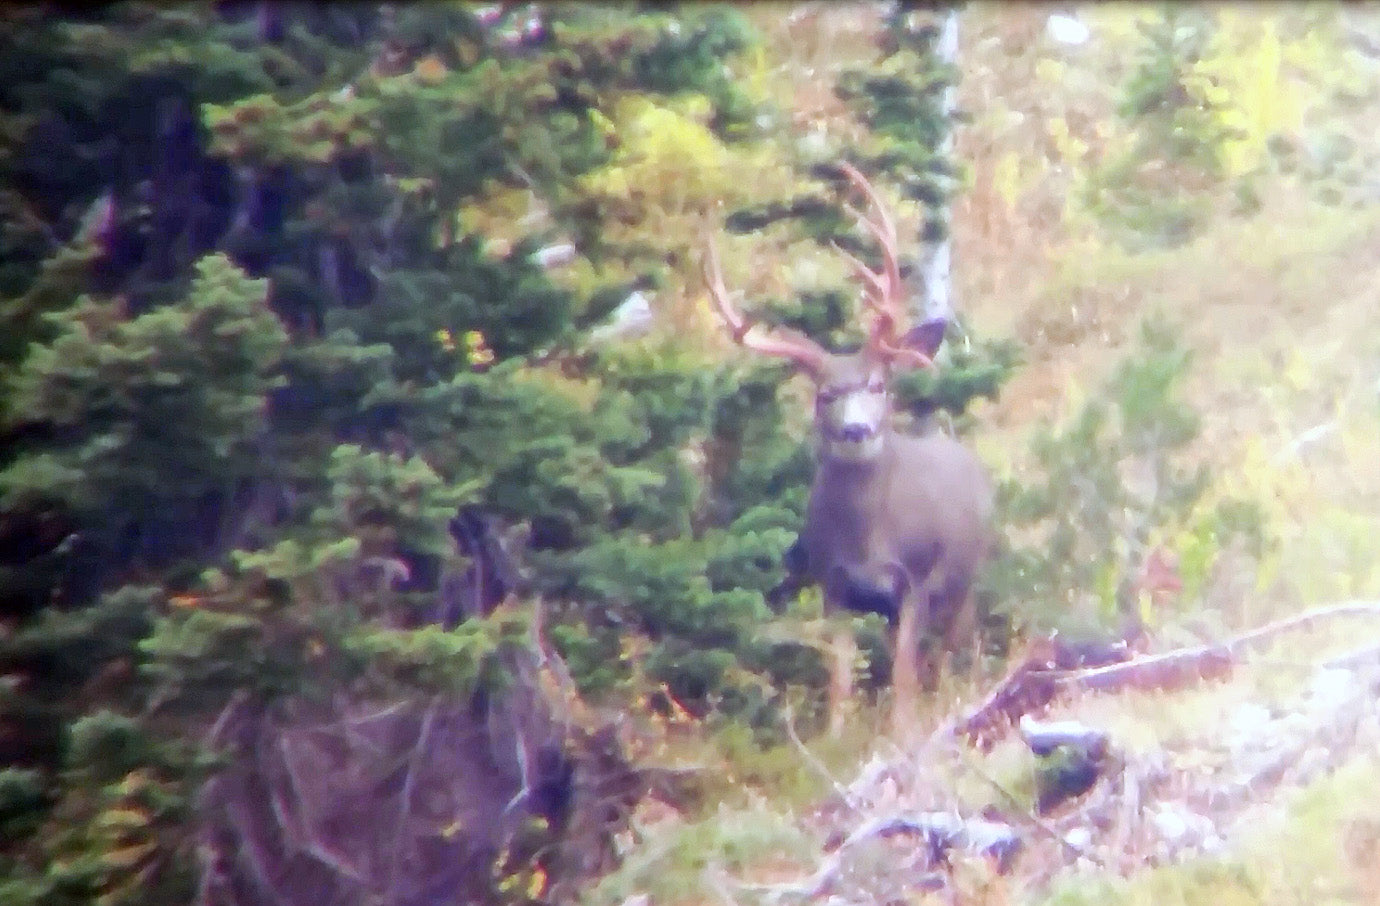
[[896, 523], [913, 520]]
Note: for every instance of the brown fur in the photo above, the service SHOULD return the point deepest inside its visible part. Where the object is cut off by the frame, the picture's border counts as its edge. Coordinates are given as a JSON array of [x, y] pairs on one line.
[[913, 516]]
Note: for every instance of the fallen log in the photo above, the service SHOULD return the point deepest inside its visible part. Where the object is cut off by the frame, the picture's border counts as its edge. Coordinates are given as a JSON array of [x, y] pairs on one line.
[[1035, 682]]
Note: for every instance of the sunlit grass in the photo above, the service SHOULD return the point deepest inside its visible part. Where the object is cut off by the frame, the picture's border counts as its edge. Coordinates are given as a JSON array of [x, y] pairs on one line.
[[1322, 848], [681, 862]]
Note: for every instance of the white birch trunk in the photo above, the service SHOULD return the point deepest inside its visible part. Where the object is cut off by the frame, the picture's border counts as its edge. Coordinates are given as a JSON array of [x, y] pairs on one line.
[[934, 298]]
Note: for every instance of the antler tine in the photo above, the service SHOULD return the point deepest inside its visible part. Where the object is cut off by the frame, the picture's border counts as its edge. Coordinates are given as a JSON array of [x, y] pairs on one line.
[[885, 288], [875, 283], [883, 228], [738, 325], [787, 344]]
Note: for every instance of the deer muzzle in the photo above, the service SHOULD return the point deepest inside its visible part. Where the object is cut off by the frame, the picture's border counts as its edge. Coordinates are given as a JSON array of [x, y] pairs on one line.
[[852, 425]]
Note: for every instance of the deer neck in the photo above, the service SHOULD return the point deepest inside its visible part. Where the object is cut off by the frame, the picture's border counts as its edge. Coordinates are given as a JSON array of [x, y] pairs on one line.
[[846, 500], [852, 474]]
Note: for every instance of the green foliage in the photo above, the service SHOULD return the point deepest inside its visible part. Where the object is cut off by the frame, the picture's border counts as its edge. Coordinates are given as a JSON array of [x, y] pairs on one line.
[[322, 602], [23, 800], [155, 410], [273, 317], [1154, 190], [1158, 97], [901, 99], [1109, 485], [61, 649], [967, 371], [1200, 881], [673, 868], [59, 281], [123, 801], [387, 502]]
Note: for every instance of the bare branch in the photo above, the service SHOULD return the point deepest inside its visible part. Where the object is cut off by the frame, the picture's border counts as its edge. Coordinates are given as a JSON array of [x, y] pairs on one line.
[[1299, 621], [1019, 810], [817, 765], [405, 805]]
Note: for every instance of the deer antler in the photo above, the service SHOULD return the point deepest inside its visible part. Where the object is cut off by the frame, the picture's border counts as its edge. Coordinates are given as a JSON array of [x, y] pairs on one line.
[[797, 347], [882, 289]]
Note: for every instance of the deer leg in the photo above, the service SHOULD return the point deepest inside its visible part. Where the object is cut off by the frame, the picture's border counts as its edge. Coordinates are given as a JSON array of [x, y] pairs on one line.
[[961, 635], [905, 665], [915, 620], [843, 651], [858, 590]]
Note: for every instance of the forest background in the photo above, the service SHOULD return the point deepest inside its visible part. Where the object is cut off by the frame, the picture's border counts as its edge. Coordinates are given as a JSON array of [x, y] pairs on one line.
[[366, 427]]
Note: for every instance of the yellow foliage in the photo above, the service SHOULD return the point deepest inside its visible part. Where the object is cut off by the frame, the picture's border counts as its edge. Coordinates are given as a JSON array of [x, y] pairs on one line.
[[125, 818], [536, 884], [754, 76], [1298, 371], [497, 212], [129, 856], [582, 392], [1071, 149], [477, 348], [667, 155], [606, 126], [1006, 178], [1243, 74]]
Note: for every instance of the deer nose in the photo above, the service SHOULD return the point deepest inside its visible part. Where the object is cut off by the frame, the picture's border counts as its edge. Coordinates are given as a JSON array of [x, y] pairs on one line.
[[854, 433]]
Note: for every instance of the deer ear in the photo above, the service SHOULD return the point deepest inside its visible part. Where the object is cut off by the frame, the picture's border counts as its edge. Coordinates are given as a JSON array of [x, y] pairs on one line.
[[926, 338]]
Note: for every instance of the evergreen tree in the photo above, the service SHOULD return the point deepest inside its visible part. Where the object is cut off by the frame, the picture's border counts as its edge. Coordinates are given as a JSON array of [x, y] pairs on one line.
[[260, 360], [279, 312]]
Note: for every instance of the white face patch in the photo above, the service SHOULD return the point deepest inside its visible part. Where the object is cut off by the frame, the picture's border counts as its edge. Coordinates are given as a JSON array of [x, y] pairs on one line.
[[852, 419], [863, 408]]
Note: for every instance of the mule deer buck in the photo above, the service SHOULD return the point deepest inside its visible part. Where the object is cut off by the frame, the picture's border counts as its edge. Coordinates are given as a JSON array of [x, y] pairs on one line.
[[892, 517]]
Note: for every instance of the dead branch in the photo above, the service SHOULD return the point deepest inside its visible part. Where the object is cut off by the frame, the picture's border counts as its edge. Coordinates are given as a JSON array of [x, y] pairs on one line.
[[1035, 682], [1182, 666], [1298, 621], [1029, 686], [414, 760], [301, 823], [939, 833], [1169, 670], [251, 853], [1020, 812], [1365, 656], [1044, 737], [817, 765], [223, 719]]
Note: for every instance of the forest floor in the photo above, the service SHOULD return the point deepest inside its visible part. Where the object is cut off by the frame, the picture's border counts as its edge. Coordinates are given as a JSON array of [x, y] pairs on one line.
[[1255, 787]]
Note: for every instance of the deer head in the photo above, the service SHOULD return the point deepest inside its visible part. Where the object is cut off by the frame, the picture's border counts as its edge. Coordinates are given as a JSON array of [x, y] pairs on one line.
[[852, 399]]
